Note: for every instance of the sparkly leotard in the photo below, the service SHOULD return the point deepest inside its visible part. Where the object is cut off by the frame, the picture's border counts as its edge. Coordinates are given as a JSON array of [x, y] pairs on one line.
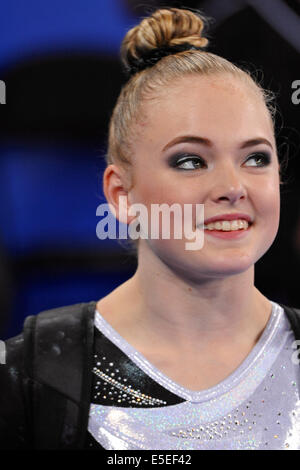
[[135, 406]]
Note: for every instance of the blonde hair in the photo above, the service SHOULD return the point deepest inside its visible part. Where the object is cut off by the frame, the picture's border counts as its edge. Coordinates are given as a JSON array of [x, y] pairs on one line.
[[165, 29]]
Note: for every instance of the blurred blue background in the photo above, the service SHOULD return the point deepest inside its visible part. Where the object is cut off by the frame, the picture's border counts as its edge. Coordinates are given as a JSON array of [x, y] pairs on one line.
[[60, 64]]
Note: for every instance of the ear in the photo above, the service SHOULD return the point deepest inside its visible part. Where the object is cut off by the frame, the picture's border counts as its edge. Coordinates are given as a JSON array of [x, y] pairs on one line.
[[116, 192]]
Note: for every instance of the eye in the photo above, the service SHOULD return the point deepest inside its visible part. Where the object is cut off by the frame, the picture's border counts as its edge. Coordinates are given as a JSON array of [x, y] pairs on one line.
[[187, 162], [259, 159]]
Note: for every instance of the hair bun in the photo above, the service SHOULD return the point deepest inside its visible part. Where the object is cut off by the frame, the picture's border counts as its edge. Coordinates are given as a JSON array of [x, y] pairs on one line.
[[168, 29]]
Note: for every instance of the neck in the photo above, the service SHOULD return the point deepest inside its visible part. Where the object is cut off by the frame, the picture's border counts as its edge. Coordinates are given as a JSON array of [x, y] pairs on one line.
[[213, 309]]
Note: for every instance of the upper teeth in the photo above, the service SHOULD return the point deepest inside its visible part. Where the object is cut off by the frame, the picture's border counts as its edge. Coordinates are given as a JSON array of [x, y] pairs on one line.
[[227, 225]]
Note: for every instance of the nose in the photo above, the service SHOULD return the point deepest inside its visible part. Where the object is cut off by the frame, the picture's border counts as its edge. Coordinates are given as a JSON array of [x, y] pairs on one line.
[[228, 186]]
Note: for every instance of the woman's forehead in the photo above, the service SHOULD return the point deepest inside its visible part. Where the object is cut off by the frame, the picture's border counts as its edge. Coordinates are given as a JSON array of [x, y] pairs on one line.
[[218, 91], [213, 105]]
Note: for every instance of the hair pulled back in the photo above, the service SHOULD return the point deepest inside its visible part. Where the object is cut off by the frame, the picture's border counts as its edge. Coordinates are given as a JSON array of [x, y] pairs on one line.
[[163, 48], [166, 28]]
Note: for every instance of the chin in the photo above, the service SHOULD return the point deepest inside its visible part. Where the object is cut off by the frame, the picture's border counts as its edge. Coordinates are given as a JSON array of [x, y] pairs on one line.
[[197, 268], [222, 271], [232, 264]]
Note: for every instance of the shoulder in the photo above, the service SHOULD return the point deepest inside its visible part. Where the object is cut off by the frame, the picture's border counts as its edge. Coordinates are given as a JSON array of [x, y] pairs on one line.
[[293, 315], [50, 322], [60, 336], [69, 315], [54, 325], [55, 345], [291, 311], [48, 367]]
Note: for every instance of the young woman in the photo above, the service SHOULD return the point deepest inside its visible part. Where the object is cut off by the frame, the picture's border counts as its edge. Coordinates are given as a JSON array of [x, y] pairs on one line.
[[187, 354]]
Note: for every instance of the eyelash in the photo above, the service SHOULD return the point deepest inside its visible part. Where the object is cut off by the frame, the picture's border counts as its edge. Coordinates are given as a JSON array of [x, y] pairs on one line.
[[176, 161]]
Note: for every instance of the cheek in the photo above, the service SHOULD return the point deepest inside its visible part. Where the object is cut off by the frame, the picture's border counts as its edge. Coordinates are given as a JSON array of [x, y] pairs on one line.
[[270, 199], [268, 207], [153, 190], [172, 199]]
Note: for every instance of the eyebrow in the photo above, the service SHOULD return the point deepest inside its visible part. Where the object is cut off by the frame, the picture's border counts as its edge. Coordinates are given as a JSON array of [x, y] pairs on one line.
[[208, 143]]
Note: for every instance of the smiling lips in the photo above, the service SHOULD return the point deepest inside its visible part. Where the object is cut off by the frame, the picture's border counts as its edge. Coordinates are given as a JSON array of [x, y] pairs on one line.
[[228, 223]]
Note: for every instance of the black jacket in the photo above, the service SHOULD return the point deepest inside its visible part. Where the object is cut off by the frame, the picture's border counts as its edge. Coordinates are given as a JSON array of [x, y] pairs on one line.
[[45, 385]]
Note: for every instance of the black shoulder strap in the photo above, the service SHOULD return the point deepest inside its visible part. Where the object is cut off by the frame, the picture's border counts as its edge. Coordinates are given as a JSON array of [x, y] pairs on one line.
[[293, 315], [58, 359]]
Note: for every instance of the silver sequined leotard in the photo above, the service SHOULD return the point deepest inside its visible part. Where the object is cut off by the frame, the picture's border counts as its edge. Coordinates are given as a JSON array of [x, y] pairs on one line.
[[135, 406]]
